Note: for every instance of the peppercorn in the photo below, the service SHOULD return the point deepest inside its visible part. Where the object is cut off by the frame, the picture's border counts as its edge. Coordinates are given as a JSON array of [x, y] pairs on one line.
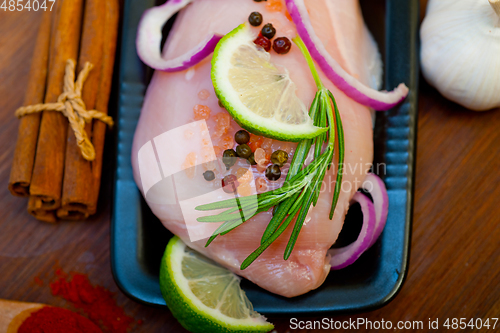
[[230, 183], [242, 137], [259, 0], [209, 175], [255, 19], [263, 42], [279, 157], [273, 172], [251, 159], [229, 158], [220, 104], [282, 45], [244, 150], [268, 31]]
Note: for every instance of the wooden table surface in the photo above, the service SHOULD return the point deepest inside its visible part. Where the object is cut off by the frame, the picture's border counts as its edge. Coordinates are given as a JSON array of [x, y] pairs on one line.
[[454, 267]]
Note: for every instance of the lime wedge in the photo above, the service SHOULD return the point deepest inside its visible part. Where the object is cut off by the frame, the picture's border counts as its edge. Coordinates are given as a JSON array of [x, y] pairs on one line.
[[203, 296], [258, 95]]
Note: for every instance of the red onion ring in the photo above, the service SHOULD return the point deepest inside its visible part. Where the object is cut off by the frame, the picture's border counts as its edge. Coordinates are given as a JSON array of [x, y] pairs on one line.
[[347, 255], [378, 100], [374, 219], [149, 34], [376, 187]]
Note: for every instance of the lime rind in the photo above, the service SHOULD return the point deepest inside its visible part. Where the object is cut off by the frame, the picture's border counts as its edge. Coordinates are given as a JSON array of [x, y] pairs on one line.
[[194, 314], [260, 97]]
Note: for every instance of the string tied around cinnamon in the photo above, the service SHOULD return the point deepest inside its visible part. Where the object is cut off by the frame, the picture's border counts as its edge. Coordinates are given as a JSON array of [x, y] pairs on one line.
[[71, 105]]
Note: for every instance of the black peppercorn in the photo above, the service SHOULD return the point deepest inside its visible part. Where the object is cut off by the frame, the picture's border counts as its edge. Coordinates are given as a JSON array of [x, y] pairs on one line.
[[255, 19], [242, 137], [244, 150], [282, 45], [268, 31], [209, 175], [229, 158], [273, 172]]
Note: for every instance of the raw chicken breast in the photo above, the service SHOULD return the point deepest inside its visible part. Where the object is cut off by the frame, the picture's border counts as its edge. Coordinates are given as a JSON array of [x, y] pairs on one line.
[[169, 104]]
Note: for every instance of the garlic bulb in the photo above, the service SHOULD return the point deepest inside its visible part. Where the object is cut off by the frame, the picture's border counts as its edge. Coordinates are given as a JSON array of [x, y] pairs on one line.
[[460, 51]]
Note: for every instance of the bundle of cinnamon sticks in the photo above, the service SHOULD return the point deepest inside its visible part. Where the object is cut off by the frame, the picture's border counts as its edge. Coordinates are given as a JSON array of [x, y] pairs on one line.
[[48, 165]]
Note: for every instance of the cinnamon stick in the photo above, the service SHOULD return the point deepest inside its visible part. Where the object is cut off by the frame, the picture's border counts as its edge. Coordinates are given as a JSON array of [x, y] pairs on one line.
[[24, 154], [46, 183], [99, 131], [36, 209], [77, 188]]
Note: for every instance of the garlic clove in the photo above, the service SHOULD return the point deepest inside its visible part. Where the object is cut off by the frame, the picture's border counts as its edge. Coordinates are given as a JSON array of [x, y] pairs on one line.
[[460, 47], [495, 4]]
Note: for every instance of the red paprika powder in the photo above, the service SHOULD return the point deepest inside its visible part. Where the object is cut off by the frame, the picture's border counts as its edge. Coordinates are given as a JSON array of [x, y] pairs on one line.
[[96, 301], [57, 320]]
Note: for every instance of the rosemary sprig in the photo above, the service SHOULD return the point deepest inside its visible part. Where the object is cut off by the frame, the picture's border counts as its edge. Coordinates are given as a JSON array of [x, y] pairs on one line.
[[302, 185]]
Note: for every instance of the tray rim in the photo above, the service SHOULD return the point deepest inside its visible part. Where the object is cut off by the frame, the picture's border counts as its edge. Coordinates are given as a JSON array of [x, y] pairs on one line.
[[131, 291]]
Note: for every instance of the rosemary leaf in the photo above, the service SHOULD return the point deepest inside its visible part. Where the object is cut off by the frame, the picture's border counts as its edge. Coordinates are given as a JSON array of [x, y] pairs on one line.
[[299, 223], [254, 255], [321, 177], [341, 144], [278, 217], [223, 227]]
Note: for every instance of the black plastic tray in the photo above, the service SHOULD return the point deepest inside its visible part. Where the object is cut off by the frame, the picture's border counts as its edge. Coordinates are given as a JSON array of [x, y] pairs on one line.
[[138, 239]]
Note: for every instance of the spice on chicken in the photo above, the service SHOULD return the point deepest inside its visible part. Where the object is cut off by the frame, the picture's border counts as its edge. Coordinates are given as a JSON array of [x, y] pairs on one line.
[[282, 45], [255, 19], [268, 31], [230, 183], [273, 172], [279, 157], [209, 175], [242, 137], [229, 158], [243, 151], [263, 42]]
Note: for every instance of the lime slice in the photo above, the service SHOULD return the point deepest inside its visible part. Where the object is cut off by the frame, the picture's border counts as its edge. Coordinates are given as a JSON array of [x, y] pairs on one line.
[[203, 296], [259, 96]]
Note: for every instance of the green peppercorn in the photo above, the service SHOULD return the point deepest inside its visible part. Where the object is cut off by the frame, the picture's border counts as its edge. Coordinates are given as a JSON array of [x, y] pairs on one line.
[[242, 137], [268, 31], [255, 19], [229, 158], [244, 151], [251, 159], [209, 175], [279, 157], [273, 172]]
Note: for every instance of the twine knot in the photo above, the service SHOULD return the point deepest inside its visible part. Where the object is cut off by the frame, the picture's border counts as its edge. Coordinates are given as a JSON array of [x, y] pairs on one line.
[[71, 105]]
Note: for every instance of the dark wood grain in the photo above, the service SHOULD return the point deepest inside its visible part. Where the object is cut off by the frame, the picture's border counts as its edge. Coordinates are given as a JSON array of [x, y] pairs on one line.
[[454, 267]]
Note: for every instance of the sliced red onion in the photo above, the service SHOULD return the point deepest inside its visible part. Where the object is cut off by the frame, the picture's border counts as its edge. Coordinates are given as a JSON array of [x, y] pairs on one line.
[[376, 187], [149, 36], [378, 100], [347, 255], [374, 219]]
